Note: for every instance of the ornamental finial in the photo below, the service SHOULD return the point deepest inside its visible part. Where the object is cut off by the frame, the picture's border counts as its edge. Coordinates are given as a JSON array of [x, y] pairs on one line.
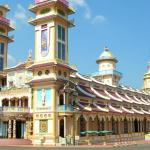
[[106, 48]]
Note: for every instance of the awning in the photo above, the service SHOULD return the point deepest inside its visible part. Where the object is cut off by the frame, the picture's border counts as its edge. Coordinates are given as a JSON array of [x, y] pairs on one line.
[[123, 98], [113, 96], [131, 99], [145, 102], [137, 111], [83, 78], [85, 92], [99, 94], [138, 100], [82, 105], [127, 110], [114, 109], [100, 108], [145, 112]]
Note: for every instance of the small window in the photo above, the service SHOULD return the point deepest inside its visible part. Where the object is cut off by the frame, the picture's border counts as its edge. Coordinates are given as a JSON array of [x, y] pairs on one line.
[[47, 72], [2, 46], [40, 73], [1, 63], [62, 13], [44, 11]]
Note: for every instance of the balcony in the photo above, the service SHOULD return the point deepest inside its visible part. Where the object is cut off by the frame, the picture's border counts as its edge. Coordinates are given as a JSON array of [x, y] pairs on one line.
[[107, 72], [12, 109], [4, 20], [65, 108]]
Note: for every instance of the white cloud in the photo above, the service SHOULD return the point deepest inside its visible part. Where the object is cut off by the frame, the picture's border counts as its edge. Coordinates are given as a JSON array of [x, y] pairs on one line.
[[88, 13], [20, 14], [11, 61], [83, 4], [98, 19]]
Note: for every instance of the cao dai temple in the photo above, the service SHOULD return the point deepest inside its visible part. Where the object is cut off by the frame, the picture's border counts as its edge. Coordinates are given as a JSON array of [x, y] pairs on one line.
[[47, 101]]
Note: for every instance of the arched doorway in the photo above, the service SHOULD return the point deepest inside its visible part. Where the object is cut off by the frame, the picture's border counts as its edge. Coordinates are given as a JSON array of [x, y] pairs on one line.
[[125, 125], [82, 125], [145, 125], [61, 128], [113, 125], [136, 125]]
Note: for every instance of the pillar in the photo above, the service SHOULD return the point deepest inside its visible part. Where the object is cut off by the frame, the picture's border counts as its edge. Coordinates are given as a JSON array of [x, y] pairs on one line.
[[65, 126], [9, 129], [8, 103], [119, 126], [14, 129], [19, 102]]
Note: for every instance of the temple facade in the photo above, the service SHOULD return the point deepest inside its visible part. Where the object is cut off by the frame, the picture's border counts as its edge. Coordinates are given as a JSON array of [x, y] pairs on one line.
[[47, 101]]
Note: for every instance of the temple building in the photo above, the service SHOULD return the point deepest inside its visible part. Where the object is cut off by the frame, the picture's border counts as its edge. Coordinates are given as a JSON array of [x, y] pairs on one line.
[[47, 101]]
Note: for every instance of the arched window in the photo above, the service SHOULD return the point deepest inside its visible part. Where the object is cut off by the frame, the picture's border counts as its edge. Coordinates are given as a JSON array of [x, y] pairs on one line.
[[61, 99], [82, 125], [136, 125], [125, 126], [145, 126], [113, 125], [103, 124], [61, 128], [5, 102]]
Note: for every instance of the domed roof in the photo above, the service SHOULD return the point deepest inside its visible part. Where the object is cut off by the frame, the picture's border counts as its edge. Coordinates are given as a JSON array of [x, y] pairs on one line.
[[106, 55]]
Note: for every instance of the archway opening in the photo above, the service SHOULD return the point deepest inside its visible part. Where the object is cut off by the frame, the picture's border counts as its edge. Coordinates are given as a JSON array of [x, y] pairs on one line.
[[61, 128], [125, 126], [136, 125], [82, 125]]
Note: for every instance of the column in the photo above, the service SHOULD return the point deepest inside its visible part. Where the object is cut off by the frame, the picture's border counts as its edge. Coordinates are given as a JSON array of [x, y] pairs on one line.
[[24, 130], [9, 129], [14, 129], [65, 126], [8, 103], [64, 98], [19, 102], [76, 127], [119, 126]]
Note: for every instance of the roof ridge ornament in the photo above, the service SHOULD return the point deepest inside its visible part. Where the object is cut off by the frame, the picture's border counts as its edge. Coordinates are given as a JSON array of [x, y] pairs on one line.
[[106, 49]]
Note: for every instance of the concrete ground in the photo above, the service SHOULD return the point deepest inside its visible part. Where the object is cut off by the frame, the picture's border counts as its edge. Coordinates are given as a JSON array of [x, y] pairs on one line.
[[132, 147]]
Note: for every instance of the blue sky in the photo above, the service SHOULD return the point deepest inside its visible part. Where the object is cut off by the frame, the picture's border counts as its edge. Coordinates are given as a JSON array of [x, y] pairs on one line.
[[122, 25]]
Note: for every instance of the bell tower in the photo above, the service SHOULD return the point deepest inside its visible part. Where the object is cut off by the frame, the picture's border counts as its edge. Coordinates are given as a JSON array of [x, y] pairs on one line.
[[146, 87], [107, 68], [51, 30], [51, 68], [5, 39]]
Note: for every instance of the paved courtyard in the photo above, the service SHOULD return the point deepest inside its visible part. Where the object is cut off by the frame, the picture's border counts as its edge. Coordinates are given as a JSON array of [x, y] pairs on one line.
[[136, 147]]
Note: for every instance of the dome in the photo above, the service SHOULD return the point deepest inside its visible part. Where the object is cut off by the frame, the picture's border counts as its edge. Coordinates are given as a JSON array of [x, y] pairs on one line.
[[106, 55]]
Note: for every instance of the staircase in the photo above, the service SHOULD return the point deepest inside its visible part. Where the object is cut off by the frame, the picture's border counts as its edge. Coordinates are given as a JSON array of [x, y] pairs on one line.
[[6, 142]]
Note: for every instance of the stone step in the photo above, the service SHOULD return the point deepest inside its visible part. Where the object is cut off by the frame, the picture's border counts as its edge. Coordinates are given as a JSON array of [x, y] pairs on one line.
[[15, 142]]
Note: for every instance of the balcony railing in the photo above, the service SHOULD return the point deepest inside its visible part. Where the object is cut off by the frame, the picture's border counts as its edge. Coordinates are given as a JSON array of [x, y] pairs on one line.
[[14, 109], [41, 1], [105, 72], [5, 20], [65, 108]]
